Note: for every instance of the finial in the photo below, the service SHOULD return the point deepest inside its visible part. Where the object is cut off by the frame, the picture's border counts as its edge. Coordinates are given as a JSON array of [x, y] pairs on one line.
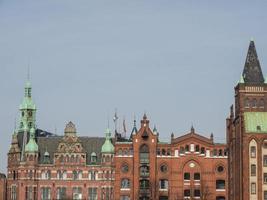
[[145, 117], [192, 129], [172, 136], [211, 137]]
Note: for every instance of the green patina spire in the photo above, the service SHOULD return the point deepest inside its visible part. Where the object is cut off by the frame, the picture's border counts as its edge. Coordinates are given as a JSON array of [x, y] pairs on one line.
[[31, 146], [107, 147], [27, 109]]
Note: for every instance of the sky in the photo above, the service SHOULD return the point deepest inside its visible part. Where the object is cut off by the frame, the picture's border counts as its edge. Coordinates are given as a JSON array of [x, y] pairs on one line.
[[176, 61]]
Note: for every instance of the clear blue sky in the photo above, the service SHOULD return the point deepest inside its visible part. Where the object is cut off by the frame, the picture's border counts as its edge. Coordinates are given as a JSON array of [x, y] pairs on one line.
[[176, 60]]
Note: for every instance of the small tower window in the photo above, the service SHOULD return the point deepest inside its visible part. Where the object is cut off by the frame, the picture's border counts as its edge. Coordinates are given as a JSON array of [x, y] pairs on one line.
[[253, 152], [247, 103], [254, 103]]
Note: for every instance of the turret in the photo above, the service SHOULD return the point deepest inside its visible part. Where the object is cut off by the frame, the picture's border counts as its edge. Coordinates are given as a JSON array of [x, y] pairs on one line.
[[107, 149], [31, 148]]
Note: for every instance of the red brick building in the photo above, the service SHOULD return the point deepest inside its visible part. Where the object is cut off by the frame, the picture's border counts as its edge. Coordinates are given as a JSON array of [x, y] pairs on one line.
[[188, 167], [246, 133], [2, 187]]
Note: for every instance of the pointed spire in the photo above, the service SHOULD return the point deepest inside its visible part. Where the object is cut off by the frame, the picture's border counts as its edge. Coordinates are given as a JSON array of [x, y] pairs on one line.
[[134, 130], [252, 70]]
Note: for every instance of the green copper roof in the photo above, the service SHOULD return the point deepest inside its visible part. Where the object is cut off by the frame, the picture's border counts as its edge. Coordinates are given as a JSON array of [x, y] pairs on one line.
[[107, 147], [256, 122], [27, 103], [31, 146]]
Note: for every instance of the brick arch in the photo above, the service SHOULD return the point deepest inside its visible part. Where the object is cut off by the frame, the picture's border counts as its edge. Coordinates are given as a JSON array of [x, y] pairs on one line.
[[253, 137], [187, 162]]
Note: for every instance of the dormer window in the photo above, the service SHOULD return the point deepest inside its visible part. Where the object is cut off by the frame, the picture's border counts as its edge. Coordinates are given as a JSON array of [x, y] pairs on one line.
[[258, 128], [93, 157]]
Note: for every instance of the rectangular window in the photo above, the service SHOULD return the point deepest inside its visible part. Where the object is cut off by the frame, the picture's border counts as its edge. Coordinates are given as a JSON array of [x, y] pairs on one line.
[[265, 195], [253, 170], [45, 193], [265, 178], [196, 193], [186, 176], [163, 184], [61, 193], [186, 193], [29, 193], [265, 160], [253, 188], [13, 192], [196, 176], [92, 192], [77, 193], [253, 152]]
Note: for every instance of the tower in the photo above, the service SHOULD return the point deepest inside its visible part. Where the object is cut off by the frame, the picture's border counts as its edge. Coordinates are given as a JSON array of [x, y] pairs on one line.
[[27, 116], [247, 133]]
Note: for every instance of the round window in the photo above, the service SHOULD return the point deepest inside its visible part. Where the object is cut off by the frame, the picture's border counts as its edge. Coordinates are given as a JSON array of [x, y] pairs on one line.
[[124, 168], [220, 168], [163, 168]]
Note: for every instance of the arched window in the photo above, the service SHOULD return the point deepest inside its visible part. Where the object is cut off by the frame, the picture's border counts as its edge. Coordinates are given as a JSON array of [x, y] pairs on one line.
[[72, 159], [163, 152], [125, 152], [144, 154], [247, 103], [125, 183], [120, 152], [254, 103], [261, 103]]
